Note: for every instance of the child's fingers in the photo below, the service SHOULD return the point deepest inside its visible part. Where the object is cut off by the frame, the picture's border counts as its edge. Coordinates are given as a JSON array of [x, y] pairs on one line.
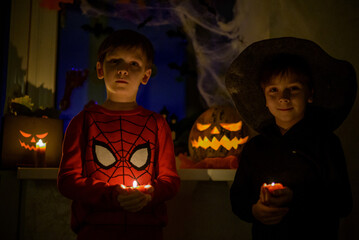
[[279, 212], [129, 196], [134, 201], [264, 198], [150, 189], [274, 211], [271, 220], [274, 218], [280, 197], [120, 190], [133, 206], [137, 206], [261, 195], [268, 215], [281, 192]]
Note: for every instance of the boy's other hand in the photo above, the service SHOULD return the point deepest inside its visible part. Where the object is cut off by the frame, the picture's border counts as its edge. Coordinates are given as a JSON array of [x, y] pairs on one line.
[[133, 200], [269, 208], [276, 198], [268, 215], [280, 197]]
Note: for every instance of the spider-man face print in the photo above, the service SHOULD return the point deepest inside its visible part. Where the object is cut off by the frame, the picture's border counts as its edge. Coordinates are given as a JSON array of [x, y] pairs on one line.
[[120, 148], [106, 158]]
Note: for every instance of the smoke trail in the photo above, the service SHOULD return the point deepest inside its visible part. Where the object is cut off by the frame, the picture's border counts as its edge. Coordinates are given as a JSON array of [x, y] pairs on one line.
[[216, 44]]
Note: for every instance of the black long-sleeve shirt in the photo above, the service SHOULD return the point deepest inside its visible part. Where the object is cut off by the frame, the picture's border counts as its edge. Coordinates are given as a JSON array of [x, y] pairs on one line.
[[308, 160]]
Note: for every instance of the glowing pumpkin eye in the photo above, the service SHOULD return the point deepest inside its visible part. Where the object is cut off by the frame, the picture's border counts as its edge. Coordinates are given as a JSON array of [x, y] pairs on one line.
[[232, 126], [41, 135], [202, 127], [24, 134]]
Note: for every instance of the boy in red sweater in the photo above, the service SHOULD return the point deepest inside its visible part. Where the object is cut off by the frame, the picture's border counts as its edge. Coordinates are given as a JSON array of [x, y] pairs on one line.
[[110, 148]]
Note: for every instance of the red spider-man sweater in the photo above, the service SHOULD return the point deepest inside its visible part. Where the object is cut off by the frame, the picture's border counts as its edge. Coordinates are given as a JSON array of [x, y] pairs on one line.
[[105, 148]]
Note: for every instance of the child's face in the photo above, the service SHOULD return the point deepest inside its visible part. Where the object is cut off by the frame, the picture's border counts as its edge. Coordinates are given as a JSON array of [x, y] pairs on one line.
[[286, 99], [123, 70]]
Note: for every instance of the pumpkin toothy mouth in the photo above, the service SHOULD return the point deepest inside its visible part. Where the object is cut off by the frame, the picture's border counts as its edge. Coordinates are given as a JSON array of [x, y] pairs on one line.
[[215, 144], [28, 147]]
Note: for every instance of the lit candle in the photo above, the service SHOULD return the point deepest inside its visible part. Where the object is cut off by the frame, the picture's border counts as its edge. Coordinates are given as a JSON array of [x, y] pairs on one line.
[[40, 154], [141, 188], [134, 184], [273, 186], [40, 146]]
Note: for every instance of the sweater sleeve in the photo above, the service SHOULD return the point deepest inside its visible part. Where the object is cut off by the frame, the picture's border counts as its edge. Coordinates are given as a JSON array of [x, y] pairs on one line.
[[71, 183], [241, 195], [167, 181]]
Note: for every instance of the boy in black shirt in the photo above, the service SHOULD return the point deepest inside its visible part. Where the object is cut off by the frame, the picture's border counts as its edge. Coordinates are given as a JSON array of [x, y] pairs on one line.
[[295, 117]]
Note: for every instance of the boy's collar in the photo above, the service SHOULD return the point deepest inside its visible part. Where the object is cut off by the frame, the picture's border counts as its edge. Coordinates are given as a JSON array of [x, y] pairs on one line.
[[119, 106]]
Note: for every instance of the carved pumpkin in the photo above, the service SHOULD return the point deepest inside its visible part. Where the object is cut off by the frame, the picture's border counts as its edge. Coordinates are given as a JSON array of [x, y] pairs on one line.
[[31, 142], [218, 132]]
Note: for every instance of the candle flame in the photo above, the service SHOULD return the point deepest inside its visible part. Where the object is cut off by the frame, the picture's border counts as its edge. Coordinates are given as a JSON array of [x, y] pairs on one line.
[[40, 145], [135, 184]]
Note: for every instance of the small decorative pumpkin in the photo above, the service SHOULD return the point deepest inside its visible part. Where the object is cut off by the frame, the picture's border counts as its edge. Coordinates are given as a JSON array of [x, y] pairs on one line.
[[218, 132]]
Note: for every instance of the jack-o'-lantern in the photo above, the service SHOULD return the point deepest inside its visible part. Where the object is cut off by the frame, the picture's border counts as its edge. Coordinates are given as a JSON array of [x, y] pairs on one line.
[[218, 132], [31, 142]]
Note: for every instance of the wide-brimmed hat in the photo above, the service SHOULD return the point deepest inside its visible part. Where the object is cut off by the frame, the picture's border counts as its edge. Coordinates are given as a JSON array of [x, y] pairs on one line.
[[334, 81]]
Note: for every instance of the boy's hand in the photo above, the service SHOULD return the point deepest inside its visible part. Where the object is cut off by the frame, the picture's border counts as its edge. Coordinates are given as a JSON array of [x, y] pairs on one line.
[[268, 215], [134, 200], [276, 198], [269, 208]]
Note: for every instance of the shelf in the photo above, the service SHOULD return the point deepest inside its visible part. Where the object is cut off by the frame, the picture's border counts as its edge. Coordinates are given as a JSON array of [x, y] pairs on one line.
[[36, 173], [185, 174]]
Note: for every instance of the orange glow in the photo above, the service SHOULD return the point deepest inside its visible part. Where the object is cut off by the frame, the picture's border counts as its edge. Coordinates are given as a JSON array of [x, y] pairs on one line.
[[39, 146], [135, 185], [24, 134], [41, 135], [233, 127], [273, 186], [215, 131], [215, 144], [28, 147], [201, 127]]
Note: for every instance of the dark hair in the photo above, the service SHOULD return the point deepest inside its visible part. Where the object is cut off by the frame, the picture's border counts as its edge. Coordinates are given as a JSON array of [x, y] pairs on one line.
[[128, 39], [283, 64]]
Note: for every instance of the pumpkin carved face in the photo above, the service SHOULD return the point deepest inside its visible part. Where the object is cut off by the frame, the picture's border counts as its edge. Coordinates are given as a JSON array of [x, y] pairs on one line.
[[32, 142], [218, 132]]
